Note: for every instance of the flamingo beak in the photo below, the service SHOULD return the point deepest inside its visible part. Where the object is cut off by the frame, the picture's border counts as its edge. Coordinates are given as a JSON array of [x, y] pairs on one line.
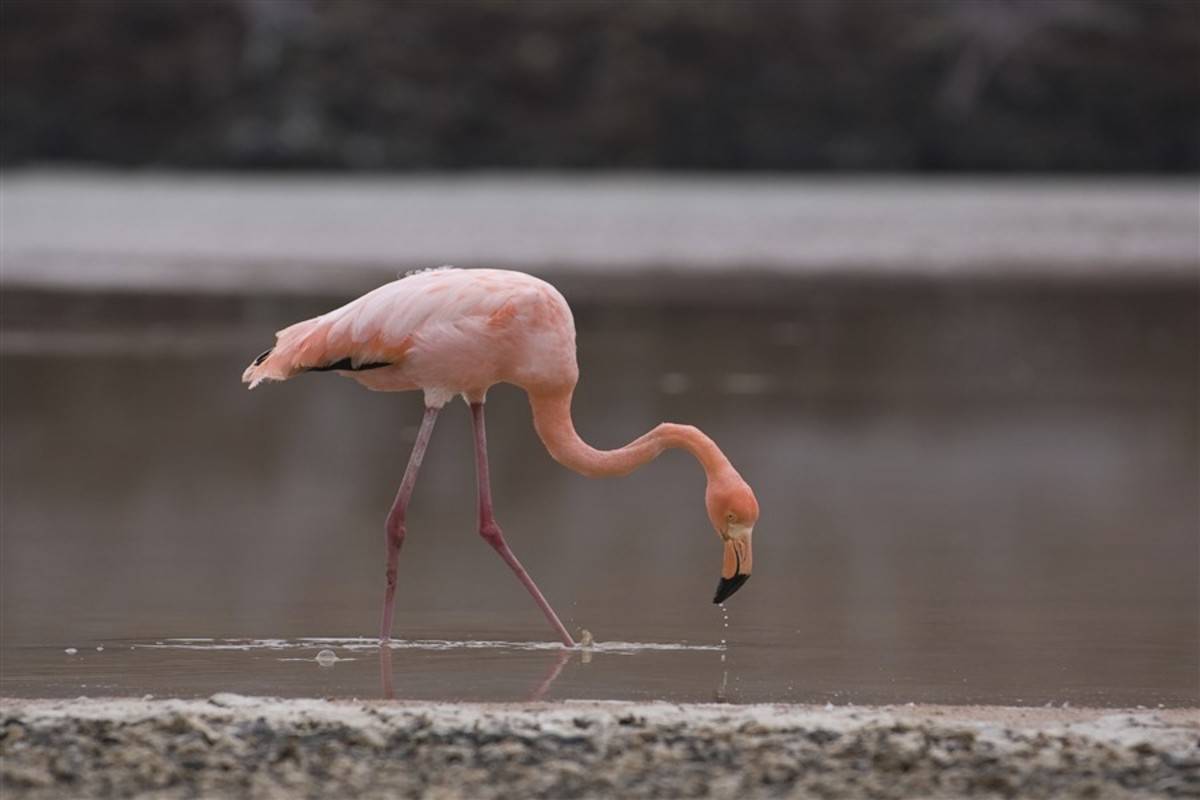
[[735, 568]]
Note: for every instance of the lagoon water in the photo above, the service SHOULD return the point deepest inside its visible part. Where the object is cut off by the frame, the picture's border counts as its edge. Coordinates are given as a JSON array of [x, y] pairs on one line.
[[978, 495]]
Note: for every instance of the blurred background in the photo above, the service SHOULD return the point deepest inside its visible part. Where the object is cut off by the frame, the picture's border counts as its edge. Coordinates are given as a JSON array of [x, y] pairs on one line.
[[928, 271], [931, 85]]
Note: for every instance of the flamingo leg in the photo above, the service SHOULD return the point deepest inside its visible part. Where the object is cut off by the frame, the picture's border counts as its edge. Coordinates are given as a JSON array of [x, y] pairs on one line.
[[489, 529], [394, 528]]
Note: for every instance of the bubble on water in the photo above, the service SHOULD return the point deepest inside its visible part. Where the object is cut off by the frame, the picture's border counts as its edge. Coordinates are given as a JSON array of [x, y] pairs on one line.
[[674, 383], [746, 383], [70, 651], [327, 658], [99, 648]]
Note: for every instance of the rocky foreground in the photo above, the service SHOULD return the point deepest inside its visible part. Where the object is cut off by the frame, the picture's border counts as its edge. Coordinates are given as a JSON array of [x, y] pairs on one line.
[[238, 746]]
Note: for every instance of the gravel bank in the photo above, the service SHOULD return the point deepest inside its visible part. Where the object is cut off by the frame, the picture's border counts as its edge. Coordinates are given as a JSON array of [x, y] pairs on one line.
[[231, 745]]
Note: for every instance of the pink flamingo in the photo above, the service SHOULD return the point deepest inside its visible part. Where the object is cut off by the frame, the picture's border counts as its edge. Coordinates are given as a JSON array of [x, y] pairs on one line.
[[454, 332]]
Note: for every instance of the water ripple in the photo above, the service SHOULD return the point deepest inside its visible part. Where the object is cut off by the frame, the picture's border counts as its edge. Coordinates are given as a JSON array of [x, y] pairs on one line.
[[369, 643]]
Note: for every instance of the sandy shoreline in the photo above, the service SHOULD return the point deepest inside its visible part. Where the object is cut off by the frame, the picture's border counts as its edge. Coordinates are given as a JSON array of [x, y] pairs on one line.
[[231, 745]]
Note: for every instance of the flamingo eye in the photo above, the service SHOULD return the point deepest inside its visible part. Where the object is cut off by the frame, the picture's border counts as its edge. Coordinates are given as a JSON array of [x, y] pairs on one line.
[[730, 517]]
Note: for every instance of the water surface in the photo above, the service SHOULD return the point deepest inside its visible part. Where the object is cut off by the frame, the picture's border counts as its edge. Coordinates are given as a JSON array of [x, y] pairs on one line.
[[986, 495]]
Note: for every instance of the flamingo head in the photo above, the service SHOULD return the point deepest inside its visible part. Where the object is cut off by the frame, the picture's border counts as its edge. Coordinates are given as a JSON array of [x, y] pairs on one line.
[[733, 510]]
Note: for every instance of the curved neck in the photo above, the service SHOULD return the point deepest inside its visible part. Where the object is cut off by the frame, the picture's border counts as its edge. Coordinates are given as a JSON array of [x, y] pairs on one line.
[[552, 420]]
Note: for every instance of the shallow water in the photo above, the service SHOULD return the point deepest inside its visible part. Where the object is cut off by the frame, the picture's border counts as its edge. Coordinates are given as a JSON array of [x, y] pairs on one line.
[[979, 496]]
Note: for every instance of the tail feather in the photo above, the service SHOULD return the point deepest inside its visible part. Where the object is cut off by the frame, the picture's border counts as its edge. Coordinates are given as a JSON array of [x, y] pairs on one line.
[[310, 346], [251, 375], [266, 370], [283, 361]]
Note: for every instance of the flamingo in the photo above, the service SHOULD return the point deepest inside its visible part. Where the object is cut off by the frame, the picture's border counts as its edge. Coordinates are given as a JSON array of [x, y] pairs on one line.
[[449, 332]]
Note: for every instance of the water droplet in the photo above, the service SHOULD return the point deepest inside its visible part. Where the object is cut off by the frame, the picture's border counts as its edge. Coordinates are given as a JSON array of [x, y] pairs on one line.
[[70, 651], [99, 648], [327, 658]]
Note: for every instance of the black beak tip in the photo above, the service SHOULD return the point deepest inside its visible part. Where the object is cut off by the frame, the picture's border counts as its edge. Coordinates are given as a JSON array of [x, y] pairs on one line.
[[728, 586]]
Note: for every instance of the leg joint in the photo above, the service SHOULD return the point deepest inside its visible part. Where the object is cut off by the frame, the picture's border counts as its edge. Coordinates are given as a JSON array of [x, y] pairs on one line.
[[395, 528], [491, 533]]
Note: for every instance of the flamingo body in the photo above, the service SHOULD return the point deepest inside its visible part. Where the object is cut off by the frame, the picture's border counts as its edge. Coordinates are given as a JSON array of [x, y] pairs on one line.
[[446, 331]]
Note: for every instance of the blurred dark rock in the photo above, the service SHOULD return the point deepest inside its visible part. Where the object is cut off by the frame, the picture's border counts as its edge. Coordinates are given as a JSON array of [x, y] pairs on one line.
[[1074, 85]]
